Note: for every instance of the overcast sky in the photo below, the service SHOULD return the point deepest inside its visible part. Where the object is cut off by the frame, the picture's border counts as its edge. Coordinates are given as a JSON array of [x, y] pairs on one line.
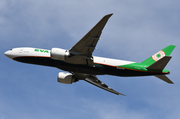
[[137, 30]]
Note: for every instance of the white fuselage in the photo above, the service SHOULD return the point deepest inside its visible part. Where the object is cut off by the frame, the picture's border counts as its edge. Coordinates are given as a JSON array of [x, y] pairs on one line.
[[37, 52]]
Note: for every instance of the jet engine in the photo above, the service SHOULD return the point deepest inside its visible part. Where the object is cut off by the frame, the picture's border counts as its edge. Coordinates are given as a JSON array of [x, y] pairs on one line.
[[66, 78], [59, 54]]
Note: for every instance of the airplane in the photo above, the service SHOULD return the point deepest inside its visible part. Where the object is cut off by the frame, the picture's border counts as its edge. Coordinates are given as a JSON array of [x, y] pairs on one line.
[[81, 65]]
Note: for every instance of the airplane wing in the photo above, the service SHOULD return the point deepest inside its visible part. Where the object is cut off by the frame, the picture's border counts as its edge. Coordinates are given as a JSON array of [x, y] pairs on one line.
[[95, 81], [92, 79], [82, 50]]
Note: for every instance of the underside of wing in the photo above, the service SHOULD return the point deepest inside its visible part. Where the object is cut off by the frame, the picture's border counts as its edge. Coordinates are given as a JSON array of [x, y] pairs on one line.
[[82, 50], [95, 81]]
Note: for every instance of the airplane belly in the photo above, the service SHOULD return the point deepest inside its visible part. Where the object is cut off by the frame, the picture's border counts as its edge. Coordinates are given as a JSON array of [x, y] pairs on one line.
[[116, 71], [97, 69], [80, 69], [47, 61]]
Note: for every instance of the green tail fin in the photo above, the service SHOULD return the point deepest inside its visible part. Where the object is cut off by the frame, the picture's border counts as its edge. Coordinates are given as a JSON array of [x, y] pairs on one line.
[[154, 58]]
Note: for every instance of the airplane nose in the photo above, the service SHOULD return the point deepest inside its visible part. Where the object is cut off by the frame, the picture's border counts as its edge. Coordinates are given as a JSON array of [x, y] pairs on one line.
[[8, 54]]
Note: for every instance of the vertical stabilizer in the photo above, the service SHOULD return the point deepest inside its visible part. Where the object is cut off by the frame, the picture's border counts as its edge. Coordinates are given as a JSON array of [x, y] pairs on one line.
[[160, 64], [158, 61], [159, 55]]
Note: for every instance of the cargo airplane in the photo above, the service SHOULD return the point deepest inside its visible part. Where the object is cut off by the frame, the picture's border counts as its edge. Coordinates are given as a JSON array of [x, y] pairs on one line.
[[81, 65]]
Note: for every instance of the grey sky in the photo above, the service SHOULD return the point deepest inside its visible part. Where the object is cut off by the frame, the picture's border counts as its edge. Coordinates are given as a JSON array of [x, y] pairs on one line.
[[137, 30]]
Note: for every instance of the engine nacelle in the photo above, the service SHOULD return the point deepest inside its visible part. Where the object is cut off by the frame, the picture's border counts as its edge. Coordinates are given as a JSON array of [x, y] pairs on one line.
[[66, 78], [59, 54]]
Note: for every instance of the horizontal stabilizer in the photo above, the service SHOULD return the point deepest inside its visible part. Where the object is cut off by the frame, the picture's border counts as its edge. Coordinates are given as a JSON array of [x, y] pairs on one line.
[[164, 78], [160, 64]]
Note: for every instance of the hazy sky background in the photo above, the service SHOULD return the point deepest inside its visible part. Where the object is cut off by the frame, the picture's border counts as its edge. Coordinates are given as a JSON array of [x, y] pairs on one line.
[[137, 30]]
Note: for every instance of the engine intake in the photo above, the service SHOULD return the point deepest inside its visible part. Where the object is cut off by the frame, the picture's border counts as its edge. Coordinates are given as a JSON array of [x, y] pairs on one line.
[[66, 78], [59, 54]]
